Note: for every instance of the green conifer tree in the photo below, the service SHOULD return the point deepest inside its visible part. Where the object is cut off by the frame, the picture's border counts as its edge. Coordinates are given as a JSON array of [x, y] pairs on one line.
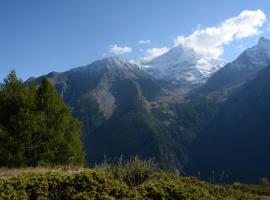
[[12, 102], [59, 136], [36, 127]]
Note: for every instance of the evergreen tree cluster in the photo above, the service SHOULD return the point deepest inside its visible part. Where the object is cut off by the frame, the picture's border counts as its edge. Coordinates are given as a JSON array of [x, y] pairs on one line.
[[36, 127]]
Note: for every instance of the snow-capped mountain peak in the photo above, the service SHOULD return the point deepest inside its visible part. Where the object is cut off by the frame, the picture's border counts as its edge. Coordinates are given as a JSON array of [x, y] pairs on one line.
[[257, 56], [245, 67], [183, 65]]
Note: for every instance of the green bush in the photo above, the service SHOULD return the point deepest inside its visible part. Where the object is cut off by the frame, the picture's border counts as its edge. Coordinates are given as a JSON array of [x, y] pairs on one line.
[[133, 172], [90, 184], [133, 179]]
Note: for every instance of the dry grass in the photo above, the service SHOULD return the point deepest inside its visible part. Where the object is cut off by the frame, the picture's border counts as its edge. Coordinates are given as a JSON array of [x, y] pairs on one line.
[[6, 173]]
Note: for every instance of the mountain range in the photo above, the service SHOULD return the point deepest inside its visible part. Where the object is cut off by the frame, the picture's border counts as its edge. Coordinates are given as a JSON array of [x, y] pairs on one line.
[[179, 108], [118, 103]]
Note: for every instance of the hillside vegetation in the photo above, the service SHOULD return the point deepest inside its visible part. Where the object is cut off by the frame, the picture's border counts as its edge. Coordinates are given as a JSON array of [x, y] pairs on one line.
[[133, 179]]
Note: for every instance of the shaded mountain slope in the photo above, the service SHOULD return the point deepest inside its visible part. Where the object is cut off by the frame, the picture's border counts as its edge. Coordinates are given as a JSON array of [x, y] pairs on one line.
[[242, 69], [236, 142]]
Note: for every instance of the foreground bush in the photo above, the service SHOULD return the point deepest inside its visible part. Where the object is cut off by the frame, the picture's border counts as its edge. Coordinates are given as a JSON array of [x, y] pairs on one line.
[[131, 179], [87, 185], [133, 172], [101, 183]]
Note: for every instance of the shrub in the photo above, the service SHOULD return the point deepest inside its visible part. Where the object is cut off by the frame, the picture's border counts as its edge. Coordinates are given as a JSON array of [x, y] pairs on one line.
[[133, 171], [90, 184], [264, 181], [133, 179]]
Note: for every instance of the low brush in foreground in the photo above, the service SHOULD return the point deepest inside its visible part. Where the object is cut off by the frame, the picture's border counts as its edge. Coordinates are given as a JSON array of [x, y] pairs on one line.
[[134, 179]]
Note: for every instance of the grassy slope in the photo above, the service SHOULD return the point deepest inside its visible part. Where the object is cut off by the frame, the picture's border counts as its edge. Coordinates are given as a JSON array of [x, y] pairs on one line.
[[122, 182]]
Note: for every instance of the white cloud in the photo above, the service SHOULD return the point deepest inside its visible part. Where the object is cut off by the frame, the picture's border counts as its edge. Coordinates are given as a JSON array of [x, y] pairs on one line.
[[154, 52], [209, 41], [144, 42], [120, 50]]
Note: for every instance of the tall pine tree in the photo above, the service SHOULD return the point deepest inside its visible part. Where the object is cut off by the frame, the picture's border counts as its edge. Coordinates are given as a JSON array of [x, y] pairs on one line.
[[59, 133], [36, 127], [12, 104]]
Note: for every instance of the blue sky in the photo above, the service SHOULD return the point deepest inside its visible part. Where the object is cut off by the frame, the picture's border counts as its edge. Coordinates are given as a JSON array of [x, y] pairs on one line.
[[37, 36]]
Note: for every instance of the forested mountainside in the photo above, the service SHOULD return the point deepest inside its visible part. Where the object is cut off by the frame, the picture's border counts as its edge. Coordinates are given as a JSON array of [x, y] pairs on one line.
[[236, 141], [125, 111]]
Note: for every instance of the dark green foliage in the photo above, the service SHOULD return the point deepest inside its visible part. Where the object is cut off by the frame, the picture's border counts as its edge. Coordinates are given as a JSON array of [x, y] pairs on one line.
[[172, 188], [185, 121], [87, 185], [101, 183], [36, 127], [88, 112], [193, 115], [13, 106]]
